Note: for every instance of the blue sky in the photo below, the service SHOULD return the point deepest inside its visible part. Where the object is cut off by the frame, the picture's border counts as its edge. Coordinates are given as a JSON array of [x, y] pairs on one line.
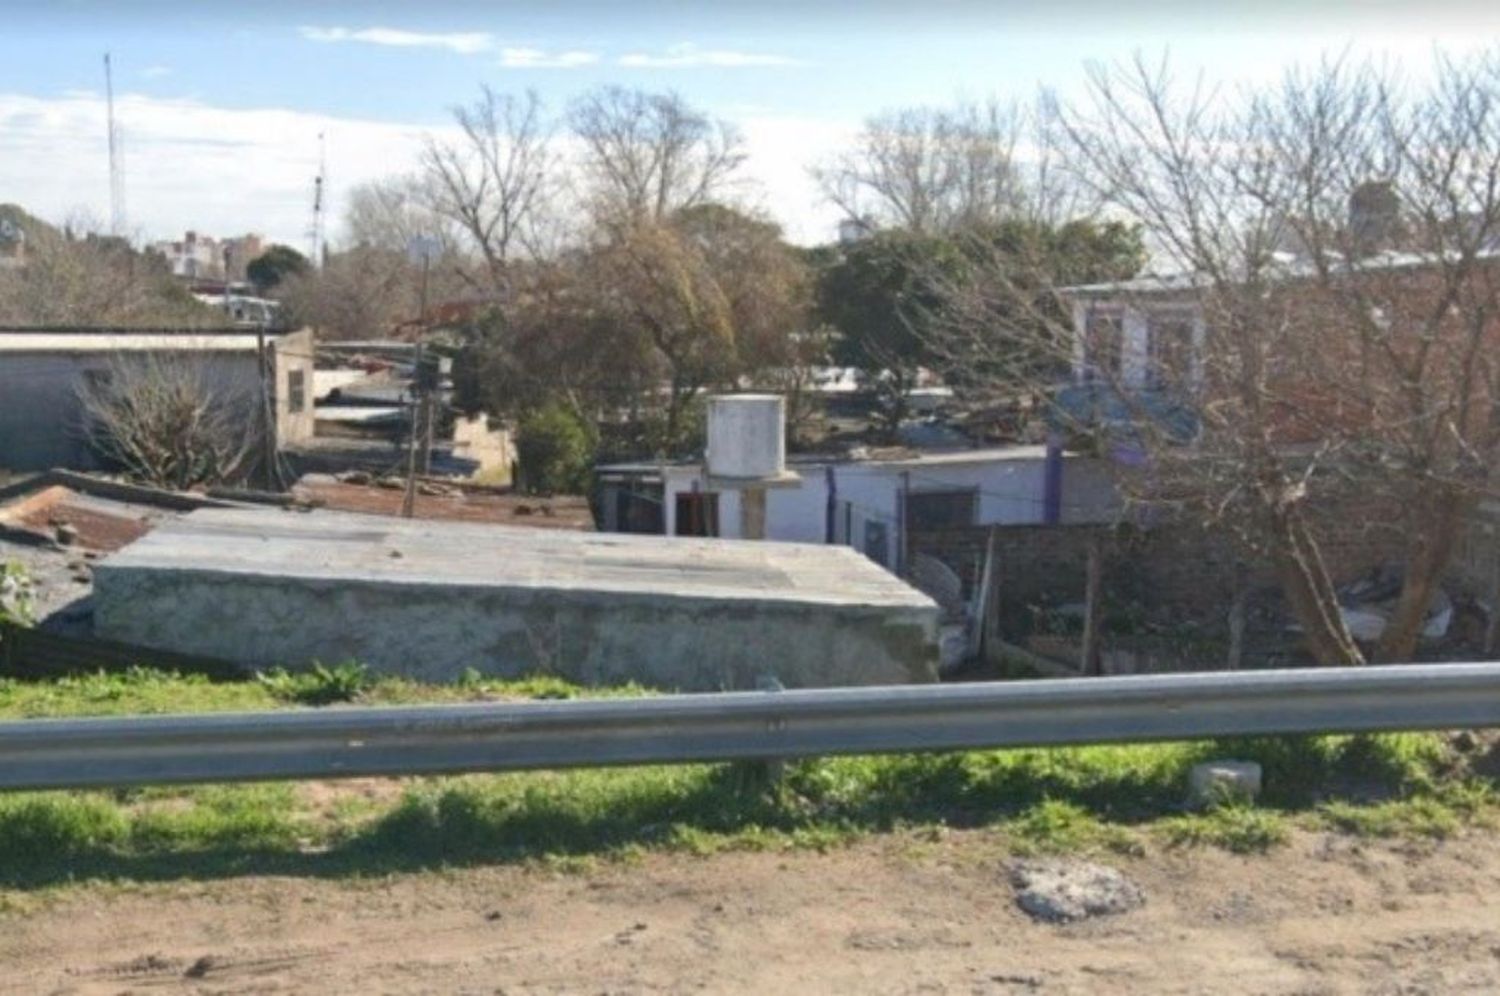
[[220, 104]]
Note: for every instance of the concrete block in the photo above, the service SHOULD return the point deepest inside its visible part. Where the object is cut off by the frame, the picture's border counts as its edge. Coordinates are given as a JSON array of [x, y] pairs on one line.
[[1223, 781], [431, 599]]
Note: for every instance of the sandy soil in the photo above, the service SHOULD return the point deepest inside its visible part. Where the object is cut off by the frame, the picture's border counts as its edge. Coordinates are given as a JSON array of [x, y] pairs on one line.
[[899, 915]]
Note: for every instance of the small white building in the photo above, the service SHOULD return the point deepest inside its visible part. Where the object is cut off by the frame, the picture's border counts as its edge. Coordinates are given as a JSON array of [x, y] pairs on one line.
[[869, 501]]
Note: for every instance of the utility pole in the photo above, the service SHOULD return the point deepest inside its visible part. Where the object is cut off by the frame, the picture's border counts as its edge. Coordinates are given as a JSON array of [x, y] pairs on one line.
[[228, 301], [418, 407], [421, 403], [428, 387], [264, 365]]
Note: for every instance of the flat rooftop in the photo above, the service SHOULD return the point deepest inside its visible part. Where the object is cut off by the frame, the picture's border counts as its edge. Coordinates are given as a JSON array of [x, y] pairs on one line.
[[85, 339], [31, 342], [882, 457], [337, 547]]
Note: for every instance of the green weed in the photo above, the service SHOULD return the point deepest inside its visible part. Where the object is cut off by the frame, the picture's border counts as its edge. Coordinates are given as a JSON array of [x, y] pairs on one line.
[[1240, 828], [320, 685]]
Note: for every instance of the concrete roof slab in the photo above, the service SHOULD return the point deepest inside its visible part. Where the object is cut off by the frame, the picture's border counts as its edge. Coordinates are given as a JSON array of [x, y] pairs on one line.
[[361, 549]]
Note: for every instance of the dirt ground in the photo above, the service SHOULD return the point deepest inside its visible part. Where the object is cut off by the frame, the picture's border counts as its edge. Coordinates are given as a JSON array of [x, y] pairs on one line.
[[896, 915]]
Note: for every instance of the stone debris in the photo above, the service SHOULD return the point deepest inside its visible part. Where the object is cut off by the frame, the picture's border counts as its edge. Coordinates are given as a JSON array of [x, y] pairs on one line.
[[1215, 782], [1060, 891]]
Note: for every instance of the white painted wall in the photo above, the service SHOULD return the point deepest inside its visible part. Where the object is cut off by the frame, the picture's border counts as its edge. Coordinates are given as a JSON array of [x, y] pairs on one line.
[[42, 425], [1011, 492], [1135, 333]]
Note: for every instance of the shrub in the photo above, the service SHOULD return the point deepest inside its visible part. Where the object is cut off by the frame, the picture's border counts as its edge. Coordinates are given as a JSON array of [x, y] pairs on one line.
[[17, 595], [555, 450]]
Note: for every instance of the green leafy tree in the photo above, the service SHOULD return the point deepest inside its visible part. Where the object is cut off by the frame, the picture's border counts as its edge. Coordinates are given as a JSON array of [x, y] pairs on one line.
[[877, 293], [271, 267], [887, 294], [555, 449]]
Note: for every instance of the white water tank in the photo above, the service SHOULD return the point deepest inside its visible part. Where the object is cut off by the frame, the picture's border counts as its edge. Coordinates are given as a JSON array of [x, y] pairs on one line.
[[746, 436]]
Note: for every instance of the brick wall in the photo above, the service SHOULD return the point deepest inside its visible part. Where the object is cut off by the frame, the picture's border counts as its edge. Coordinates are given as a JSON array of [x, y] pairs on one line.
[[1180, 570]]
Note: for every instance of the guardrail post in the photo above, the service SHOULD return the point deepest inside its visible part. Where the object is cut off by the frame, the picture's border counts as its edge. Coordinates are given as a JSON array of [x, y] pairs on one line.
[[766, 774]]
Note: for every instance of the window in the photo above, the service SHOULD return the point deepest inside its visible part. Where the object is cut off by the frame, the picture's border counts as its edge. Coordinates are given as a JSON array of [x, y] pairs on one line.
[[296, 390], [698, 513], [1170, 342], [943, 509], [1101, 345]]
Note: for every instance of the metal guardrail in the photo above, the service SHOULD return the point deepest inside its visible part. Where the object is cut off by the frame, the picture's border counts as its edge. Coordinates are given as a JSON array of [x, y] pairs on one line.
[[346, 742]]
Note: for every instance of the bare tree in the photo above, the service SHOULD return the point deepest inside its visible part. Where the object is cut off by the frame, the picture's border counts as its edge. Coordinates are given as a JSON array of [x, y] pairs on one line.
[[495, 182], [649, 155], [1330, 325], [389, 213], [162, 418], [1410, 280], [79, 276], [930, 170]]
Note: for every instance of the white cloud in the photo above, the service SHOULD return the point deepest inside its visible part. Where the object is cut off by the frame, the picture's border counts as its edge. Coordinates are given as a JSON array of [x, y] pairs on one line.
[[462, 42], [690, 56], [780, 148], [156, 72], [536, 58], [191, 165]]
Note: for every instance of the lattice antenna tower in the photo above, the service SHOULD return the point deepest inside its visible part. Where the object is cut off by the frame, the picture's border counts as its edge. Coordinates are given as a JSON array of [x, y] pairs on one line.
[[116, 156], [320, 190]]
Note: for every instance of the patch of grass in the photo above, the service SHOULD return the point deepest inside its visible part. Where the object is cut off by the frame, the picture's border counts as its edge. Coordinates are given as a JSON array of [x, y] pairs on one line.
[[134, 692], [43, 827], [1240, 828], [525, 816], [141, 691], [1439, 814], [1052, 826], [221, 818]]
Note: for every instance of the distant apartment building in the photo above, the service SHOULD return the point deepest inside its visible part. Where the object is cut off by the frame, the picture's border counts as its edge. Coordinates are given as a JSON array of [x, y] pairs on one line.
[[202, 257], [237, 254]]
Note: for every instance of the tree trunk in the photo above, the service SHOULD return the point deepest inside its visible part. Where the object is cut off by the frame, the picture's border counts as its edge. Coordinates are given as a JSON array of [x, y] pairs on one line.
[[1432, 547], [1235, 659], [675, 404], [1310, 592], [1090, 653]]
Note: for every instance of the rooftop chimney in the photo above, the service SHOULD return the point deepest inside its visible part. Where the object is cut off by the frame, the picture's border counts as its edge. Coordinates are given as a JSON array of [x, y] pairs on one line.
[[1374, 217]]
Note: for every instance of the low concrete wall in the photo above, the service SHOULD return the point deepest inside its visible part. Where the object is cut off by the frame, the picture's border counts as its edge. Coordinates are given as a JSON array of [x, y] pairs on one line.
[[694, 615]]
